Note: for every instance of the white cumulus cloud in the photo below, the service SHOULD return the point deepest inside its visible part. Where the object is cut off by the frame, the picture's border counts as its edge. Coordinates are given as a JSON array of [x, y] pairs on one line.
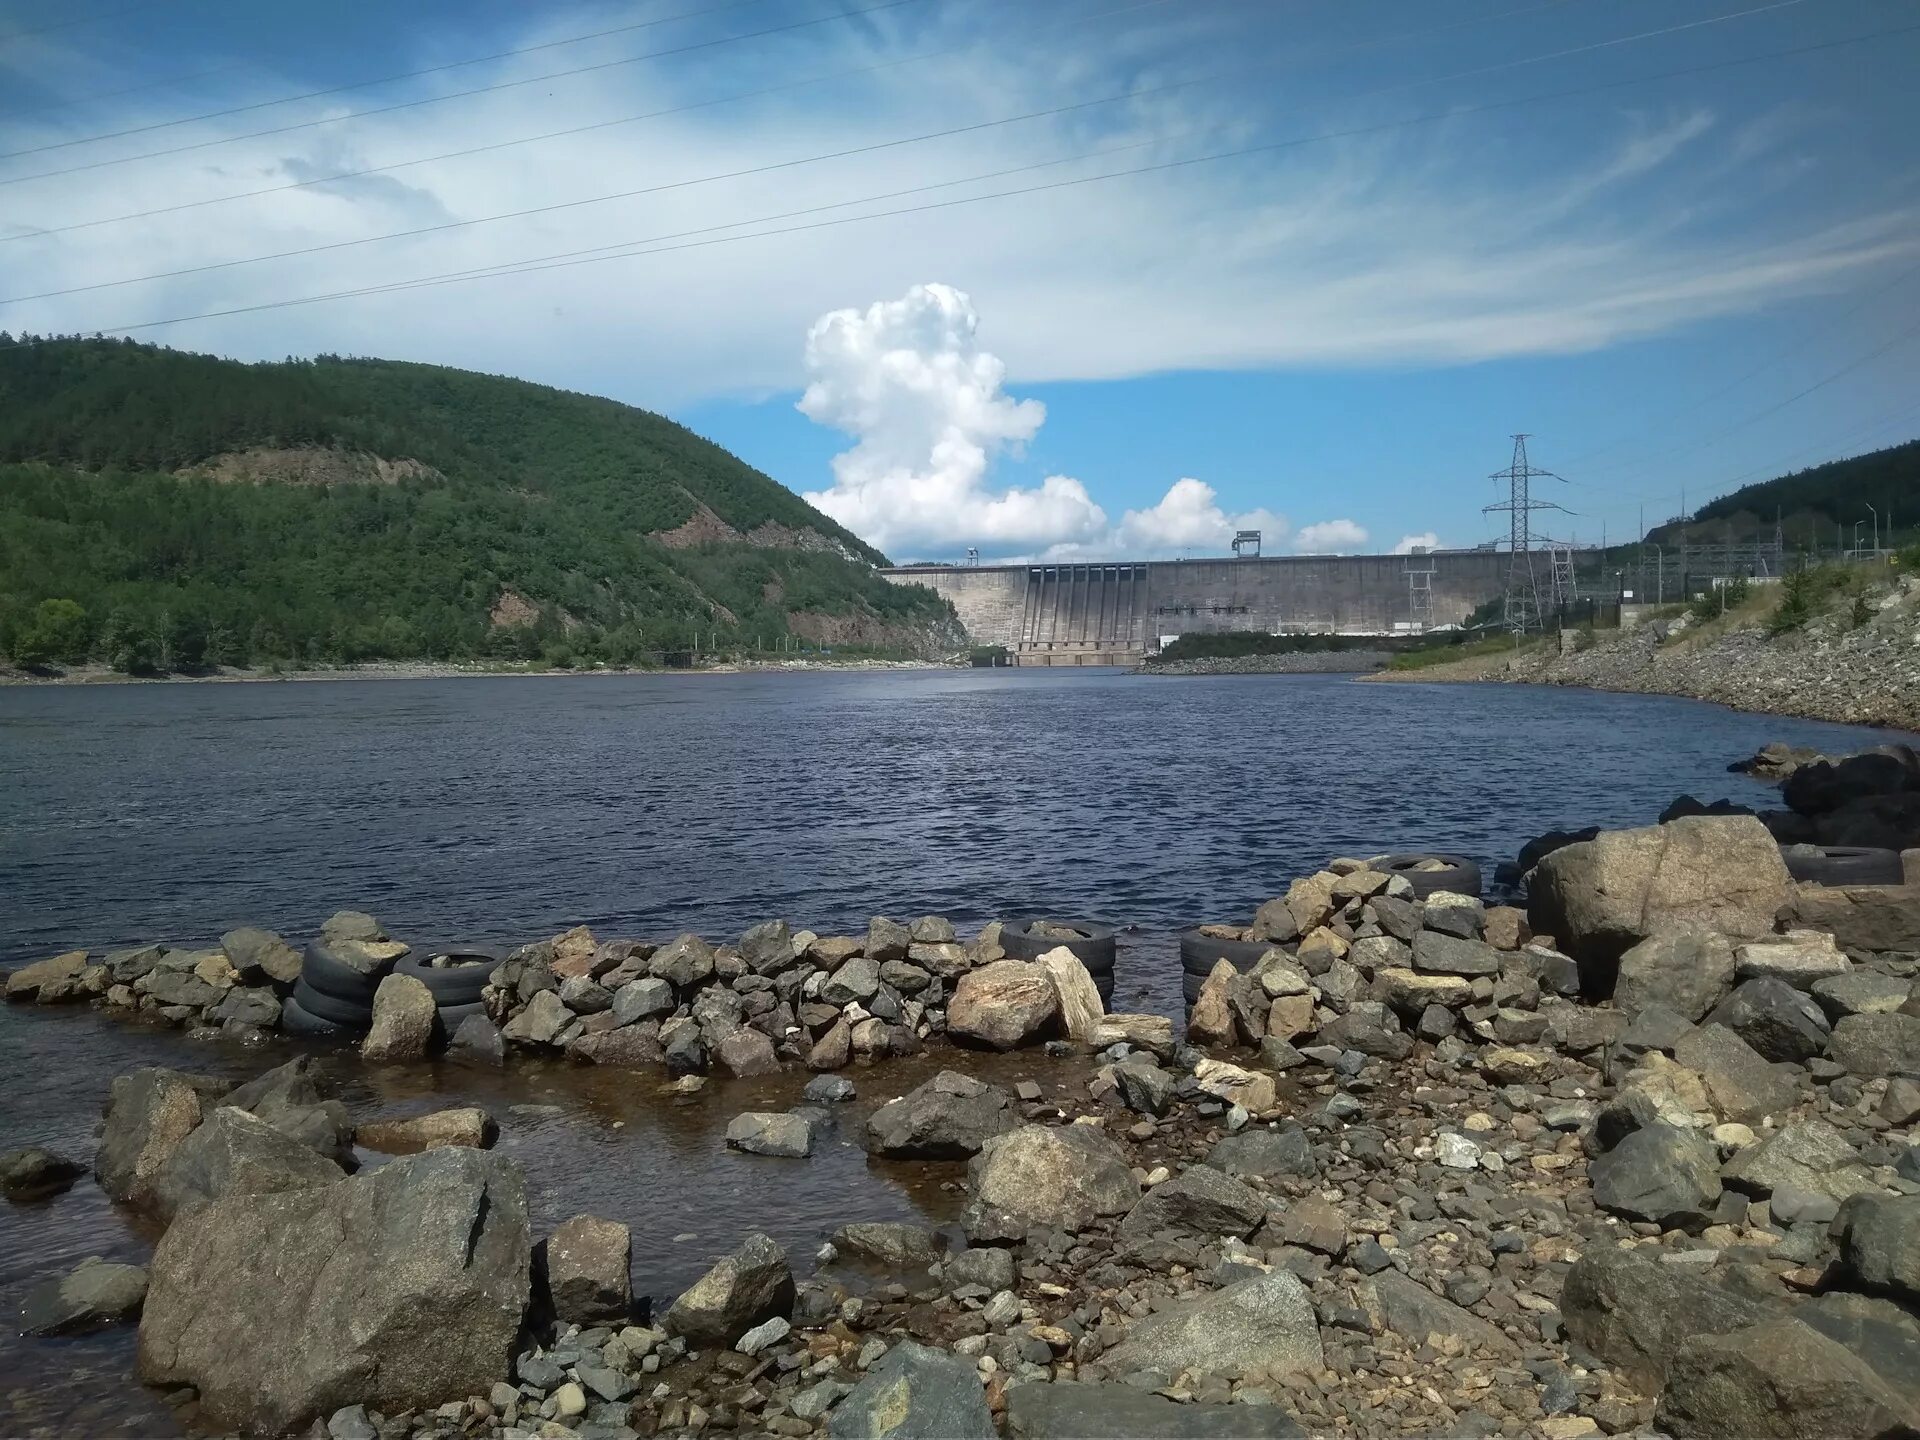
[[1189, 517], [1407, 544], [1330, 537]]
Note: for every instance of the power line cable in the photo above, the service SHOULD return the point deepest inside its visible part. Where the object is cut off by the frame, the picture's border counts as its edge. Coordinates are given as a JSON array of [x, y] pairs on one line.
[[462, 94], [772, 167], [548, 263], [141, 88]]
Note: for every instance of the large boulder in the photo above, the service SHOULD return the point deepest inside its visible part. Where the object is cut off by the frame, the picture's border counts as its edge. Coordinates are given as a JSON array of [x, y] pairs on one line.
[[1633, 1311], [403, 1012], [1877, 1044], [1740, 1082], [1809, 1156], [1862, 917], [35, 1172], [753, 1284], [1078, 997], [1269, 1154], [291, 1098], [260, 955], [1778, 1021], [767, 1132], [1069, 1410], [1200, 1202], [95, 1294], [1782, 1379], [949, 1117], [399, 1289], [466, 1125], [1413, 1312], [48, 981], [1050, 1178], [588, 1264], [1661, 1173], [234, 1152], [1603, 896], [149, 1113], [1880, 1245], [1263, 1323], [1003, 1005], [915, 1392], [1685, 970]]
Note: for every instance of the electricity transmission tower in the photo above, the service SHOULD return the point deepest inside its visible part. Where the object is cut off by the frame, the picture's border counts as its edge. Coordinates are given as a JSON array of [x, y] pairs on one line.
[[1420, 570], [1525, 604]]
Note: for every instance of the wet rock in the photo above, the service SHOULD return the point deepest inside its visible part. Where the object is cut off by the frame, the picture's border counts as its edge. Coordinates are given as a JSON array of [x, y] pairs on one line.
[[1003, 1005], [1686, 971], [258, 1007], [465, 1125], [1076, 997], [340, 1278], [1270, 1154], [178, 987], [1633, 1311], [1066, 1410], [751, 1285], [1050, 1178], [769, 1133], [988, 1267], [258, 955], [949, 1117], [685, 1051], [93, 1295], [1201, 1202], [1144, 1087], [403, 1016], [1778, 1021], [1742, 1084], [834, 1049], [1809, 1156], [888, 1244], [49, 981], [1781, 1379], [744, 1052], [1414, 1312], [630, 1047], [1601, 897], [1877, 1044], [588, 1263], [584, 995], [915, 1393], [540, 1022], [234, 1152], [647, 998], [1880, 1244], [1661, 1173], [149, 1113], [1263, 1323], [828, 1090], [34, 1173], [683, 963]]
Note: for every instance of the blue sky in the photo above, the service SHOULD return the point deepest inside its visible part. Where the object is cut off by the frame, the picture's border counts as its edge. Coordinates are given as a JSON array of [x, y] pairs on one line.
[[1458, 219]]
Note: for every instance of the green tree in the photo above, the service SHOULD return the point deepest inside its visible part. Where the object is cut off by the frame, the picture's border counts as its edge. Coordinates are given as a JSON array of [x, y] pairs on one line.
[[55, 630]]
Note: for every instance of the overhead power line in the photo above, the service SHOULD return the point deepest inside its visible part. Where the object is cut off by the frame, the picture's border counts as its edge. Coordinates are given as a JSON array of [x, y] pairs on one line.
[[629, 249], [875, 147], [461, 94]]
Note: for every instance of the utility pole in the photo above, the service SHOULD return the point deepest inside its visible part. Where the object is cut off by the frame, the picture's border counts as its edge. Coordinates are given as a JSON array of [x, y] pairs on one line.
[[1523, 599]]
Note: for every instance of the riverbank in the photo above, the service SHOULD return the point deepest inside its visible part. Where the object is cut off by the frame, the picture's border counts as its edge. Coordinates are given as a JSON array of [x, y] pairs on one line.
[[1856, 670], [1336, 662], [432, 670]]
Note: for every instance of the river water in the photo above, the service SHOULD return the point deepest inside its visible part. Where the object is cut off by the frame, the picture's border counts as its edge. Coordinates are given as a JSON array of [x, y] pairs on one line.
[[507, 809]]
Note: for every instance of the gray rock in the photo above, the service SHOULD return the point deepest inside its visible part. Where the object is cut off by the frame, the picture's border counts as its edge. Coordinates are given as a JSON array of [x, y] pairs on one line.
[[403, 1020], [258, 955], [341, 1276], [683, 1049], [989, 1267], [478, 1041], [1780, 1379], [770, 1133], [1269, 1154], [1879, 1333], [1065, 1410], [949, 1117], [888, 1244], [351, 925], [1003, 1005], [149, 1113], [856, 981], [33, 1173], [258, 1007], [540, 1022], [1742, 1085], [290, 1098], [1438, 954], [643, 999], [768, 947], [1144, 1087], [1414, 1312], [588, 1263], [1861, 992], [751, 1285], [584, 995], [234, 1152], [1808, 1155], [1660, 1173], [1778, 1021], [1041, 1177], [94, 1295], [1633, 1311], [887, 939], [351, 1422], [1686, 971], [744, 1052], [178, 987], [1263, 1323], [683, 963], [1880, 1244], [915, 1393], [829, 1090], [1201, 1202], [1877, 1044]]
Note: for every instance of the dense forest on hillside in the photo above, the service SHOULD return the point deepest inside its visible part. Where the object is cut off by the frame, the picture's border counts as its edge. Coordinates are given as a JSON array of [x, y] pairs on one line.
[[523, 527], [1813, 504]]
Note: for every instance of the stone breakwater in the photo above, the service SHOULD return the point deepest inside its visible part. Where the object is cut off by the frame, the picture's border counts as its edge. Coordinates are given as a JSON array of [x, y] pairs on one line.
[[1343, 662], [1641, 1155], [1830, 670]]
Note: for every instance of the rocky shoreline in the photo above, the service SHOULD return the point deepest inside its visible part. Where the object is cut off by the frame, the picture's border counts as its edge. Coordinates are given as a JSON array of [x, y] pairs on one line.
[[425, 670], [1335, 662], [1642, 1154], [1833, 669]]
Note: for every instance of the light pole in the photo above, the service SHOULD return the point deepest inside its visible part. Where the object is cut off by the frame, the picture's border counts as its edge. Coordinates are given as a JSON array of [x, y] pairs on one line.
[[1876, 527]]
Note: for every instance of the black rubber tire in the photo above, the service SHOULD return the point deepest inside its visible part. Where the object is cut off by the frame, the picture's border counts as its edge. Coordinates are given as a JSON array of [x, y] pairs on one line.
[[454, 984], [295, 1019], [1457, 873], [1104, 984], [1843, 865], [450, 1016], [1095, 952], [1198, 954], [352, 1015], [326, 974]]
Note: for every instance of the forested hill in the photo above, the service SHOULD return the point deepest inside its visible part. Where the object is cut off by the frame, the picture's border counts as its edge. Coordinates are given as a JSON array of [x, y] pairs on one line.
[[197, 511], [1810, 504]]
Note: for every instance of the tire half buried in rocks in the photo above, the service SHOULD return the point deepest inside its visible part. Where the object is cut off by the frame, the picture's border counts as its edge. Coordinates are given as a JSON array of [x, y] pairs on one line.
[[1200, 953], [296, 1019], [461, 976], [1090, 942], [1428, 872], [1843, 865], [353, 1016], [325, 973]]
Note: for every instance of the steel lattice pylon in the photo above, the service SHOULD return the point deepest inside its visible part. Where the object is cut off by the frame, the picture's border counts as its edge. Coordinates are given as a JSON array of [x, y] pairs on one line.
[[1525, 605]]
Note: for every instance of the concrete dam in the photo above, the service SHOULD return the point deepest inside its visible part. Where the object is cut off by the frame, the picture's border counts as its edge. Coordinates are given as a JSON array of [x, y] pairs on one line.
[[1119, 612]]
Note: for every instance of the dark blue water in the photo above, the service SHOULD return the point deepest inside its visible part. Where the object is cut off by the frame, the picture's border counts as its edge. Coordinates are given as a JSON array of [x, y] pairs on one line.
[[505, 809]]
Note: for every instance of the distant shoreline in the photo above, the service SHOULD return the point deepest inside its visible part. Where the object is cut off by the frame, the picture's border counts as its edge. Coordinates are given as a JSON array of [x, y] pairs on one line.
[[90, 675]]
